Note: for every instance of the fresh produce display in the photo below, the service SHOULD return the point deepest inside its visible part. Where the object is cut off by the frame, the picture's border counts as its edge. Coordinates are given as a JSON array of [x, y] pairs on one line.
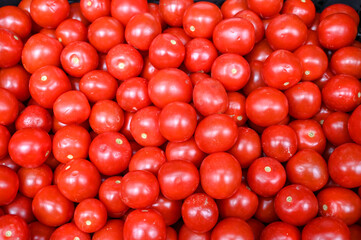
[[180, 119]]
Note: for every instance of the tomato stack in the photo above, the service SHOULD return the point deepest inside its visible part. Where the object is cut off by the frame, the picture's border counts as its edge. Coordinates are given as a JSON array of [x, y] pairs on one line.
[[123, 119]]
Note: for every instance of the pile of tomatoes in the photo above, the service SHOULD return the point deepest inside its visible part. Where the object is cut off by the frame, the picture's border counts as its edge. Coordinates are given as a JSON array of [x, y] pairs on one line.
[[131, 120]]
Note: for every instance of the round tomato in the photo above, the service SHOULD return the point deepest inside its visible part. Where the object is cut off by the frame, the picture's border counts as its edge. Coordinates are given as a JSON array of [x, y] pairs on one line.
[[49, 14], [34, 116], [9, 107], [354, 125], [94, 9], [15, 80], [233, 228], [9, 185], [265, 8], [90, 215], [11, 47], [124, 10], [31, 180], [279, 230], [325, 228], [148, 158], [169, 209], [13, 227], [113, 229], [106, 116]]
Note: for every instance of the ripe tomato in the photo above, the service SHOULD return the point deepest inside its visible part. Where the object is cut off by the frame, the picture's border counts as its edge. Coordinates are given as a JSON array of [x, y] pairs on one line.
[[4, 141], [144, 224], [34, 116], [31, 180], [40, 231], [148, 158], [71, 30], [113, 229], [49, 14], [200, 54], [11, 47], [340, 8], [354, 126], [325, 228], [172, 11], [9, 185], [69, 231], [94, 9], [169, 209], [303, 9], [9, 107], [256, 22], [335, 128], [106, 116], [266, 210], [237, 108], [266, 176], [265, 8], [124, 10], [307, 167], [16, 80], [233, 228], [90, 215], [347, 60], [13, 227], [16, 20], [199, 212], [260, 51]]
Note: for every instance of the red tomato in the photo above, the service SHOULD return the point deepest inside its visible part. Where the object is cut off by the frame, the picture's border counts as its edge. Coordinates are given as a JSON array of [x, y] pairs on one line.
[[105, 116], [172, 11], [141, 30], [16, 80], [51, 208], [30, 147], [144, 127], [307, 167], [200, 19], [200, 54], [296, 205], [242, 204], [79, 58], [34, 116], [234, 35], [113, 229], [132, 94], [210, 97], [139, 189], [144, 224], [232, 228], [237, 108], [355, 231], [340, 8], [94, 9], [279, 230], [110, 152], [335, 128], [266, 106], [169, 209], [124, 10], [279, 142], [31, 180], [11, 48], [124, 61], [256, 22], [9, 107], [260, 51], [148, 158], [9, 185], [309, 135], [266, 176], [230, 8], [71, 30], [39, 51], [90, 215], [84, 177], [68, 231], [231, 70], [199, 212], [166, 51], [343, 165], [265, 8], [354, 125], [304, 100], [282, 70], [98, 85], [170, 85], [347, 60], [336, 31], [255, 80], [266, 210], [13, 227], [76, 13], [16, 20], [303, 9], [4, 141], [341, 203], [40, 231], [49, 14], [179, 33], [325, 228]]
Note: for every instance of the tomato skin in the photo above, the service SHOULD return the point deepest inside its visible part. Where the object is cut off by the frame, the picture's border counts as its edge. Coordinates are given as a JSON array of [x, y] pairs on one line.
[[355, 231], [347, 60], [39, 51], [34, 116], [266, 176], [210, 97], [47, 83], [9, 107], [68, 231], [172, 11], [200, 54], [144, 127], [230, 8], [76, 13], [340, 8], [343, 165], [20, 206], [326, 228], [200, 19], [266, 210], [341, 203], [309, 135], [9, 185], [4, 141], [256, 22], [92, 10], [169, 209], [139, 189], [260, 52], [113, 229], [125, 10], [336, 31], [279, 230], [231, 70], [31, 180], [144, 224], [354, 125], [296, 205], [90, 215], [106, 116], [84, 177], [242, 204], [305, 10], [40, 231], [148, 158], [279, 142], [335, 128], [237, 108], [266, 106], [282, 70], [51, 208], [179, 33], [265, 8], [98, 85], [110, 152], [11, 47], [30, 147], [49, 14], [14, 227], [16, 20], [124, 61], [234, 35], [199, 212], [232, 228], [286, 31], [16, 80], [71, 30], [307, 167]]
